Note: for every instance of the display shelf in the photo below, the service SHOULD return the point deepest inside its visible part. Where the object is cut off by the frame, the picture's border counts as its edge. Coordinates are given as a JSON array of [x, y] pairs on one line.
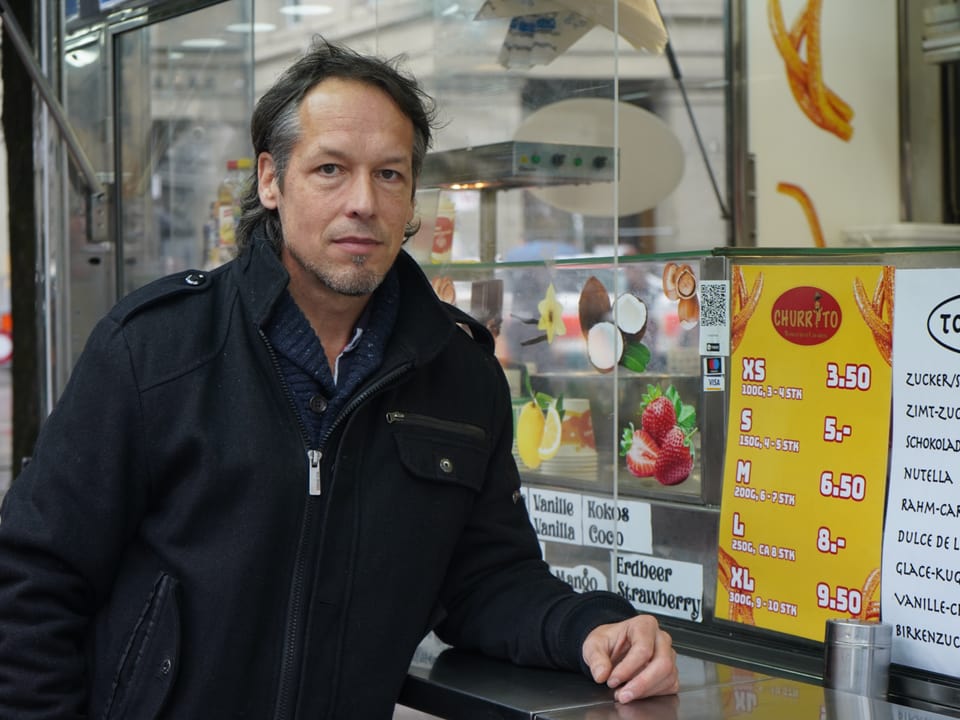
[[564, 360]]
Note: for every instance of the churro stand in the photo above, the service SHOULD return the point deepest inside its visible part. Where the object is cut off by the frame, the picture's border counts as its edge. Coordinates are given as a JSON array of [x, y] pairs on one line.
[[810, 416]]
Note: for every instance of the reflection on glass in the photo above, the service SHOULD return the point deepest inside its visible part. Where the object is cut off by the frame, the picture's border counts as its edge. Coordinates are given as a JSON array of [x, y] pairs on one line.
[[184, 102], [91, 282], [848, 706]]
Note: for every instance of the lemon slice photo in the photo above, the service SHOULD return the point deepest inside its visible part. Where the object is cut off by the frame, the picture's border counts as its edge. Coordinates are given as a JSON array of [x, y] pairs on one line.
[[552, 434]]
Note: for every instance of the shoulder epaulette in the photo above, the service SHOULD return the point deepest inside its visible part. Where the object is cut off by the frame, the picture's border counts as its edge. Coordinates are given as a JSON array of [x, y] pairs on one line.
[[174, 285]]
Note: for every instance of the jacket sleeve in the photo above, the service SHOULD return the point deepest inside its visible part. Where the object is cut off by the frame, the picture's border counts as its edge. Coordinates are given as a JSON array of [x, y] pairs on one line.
[[500, 597], [63, 526]]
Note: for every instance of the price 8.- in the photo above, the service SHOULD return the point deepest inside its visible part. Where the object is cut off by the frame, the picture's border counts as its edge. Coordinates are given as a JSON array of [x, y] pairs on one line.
[[828, 544], [848, 487], [852, 377], [842, 599]]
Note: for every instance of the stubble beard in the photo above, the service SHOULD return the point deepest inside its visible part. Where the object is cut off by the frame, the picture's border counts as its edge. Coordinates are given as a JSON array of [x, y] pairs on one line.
[[353, 281]]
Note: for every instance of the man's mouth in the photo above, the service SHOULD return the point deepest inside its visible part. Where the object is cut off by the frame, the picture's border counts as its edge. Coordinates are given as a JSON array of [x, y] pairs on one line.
[[356, 246]]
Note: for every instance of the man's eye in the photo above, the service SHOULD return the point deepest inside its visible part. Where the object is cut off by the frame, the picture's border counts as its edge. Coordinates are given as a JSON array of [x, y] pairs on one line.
[[389, 174], [328, 169]]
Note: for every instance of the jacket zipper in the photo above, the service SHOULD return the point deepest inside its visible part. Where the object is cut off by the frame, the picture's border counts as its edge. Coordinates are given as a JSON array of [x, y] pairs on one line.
[[295, 607], [313, 481], [314, 456], [398, 416]]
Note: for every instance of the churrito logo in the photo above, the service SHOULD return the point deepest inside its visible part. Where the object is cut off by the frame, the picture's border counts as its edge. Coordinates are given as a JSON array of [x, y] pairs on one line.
[[806, 315], [943, 323]]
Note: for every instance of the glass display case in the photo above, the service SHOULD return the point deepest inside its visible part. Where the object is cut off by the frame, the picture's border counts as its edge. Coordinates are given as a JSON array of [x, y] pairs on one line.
[[162, 93]]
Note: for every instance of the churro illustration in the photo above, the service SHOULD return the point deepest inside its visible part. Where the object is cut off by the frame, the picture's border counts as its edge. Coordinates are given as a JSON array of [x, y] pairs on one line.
[[744, 304], [805, 76], [870, 606], [725, 565], [877, 310], [800, 195]]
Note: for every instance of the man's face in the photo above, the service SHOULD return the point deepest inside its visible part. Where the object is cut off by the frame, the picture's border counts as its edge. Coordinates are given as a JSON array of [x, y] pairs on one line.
[[348, 189]]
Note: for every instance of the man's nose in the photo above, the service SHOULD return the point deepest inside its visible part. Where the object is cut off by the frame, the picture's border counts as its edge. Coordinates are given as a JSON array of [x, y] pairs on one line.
[[361, 199]]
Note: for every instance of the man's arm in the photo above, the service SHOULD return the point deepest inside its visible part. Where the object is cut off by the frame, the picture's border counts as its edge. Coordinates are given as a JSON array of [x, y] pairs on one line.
[[502, 599], [635, 657], [63, 526]]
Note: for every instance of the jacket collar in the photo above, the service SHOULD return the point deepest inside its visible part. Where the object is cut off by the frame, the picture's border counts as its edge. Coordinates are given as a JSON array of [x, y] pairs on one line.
[[422, 329]]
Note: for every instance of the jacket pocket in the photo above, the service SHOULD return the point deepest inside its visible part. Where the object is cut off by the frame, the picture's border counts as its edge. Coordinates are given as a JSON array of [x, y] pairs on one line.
[[148, 666], [441, 450]]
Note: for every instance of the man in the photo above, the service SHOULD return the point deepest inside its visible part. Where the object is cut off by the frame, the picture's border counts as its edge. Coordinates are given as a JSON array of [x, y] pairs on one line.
[[264, 484]]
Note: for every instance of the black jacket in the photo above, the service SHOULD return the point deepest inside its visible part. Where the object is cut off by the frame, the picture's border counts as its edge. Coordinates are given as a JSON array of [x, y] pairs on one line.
[[160, 556]]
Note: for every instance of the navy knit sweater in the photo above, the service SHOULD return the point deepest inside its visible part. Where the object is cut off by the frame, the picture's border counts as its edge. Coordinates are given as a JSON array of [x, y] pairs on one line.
[[317, 397]]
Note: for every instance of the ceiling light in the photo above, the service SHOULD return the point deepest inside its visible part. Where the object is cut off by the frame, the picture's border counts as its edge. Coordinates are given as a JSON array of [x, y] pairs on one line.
[[204, 43], [81, 57], [306, 9], [256, 27]]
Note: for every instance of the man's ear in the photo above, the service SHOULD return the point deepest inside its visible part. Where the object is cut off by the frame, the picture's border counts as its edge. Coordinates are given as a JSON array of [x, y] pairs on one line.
[[267, 186]]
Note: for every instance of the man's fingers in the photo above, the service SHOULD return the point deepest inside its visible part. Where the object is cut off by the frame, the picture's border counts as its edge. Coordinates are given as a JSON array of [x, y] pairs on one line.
[[600, 670], [631, 664], [658, 676], [615, 653], [635, 657], [598, 653]]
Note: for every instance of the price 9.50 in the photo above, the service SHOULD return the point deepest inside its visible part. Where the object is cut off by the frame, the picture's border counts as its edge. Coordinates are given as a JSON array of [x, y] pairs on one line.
[[845, 600], [852, 377]]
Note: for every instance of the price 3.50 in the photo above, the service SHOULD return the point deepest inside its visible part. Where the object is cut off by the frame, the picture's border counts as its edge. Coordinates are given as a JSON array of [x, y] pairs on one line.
[[853, 376]]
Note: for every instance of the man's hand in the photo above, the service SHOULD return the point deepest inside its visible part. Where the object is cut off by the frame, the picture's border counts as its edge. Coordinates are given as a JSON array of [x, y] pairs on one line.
[[634, 656]]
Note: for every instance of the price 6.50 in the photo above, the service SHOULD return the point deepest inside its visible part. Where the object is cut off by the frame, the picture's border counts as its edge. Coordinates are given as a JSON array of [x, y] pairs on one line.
[[848, 487]]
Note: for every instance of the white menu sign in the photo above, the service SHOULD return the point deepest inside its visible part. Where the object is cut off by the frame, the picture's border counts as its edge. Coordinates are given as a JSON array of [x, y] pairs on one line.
[[658, 585], [920, 594], [575, 519]]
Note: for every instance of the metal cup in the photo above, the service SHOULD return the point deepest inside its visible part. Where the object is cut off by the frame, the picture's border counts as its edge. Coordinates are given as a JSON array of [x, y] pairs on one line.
[[857, 657]]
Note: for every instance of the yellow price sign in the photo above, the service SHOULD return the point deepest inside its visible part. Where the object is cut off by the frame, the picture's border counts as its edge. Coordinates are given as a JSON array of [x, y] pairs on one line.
[[805, 469]]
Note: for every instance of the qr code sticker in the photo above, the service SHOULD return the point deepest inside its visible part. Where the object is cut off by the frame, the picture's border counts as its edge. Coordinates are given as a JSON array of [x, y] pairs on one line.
[[714, 304], [714, 317]]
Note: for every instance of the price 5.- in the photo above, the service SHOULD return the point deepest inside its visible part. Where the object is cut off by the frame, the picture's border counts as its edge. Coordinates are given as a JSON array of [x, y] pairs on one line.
[[852, 377], [847, 487], [833, 432], [843, 599]]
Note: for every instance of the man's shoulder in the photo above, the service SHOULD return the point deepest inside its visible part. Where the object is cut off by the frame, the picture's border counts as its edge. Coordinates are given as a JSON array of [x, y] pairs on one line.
[[168, 293], [172, 325]]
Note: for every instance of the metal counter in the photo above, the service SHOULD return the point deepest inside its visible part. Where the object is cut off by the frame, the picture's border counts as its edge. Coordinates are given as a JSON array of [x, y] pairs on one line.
[[462, 686]]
